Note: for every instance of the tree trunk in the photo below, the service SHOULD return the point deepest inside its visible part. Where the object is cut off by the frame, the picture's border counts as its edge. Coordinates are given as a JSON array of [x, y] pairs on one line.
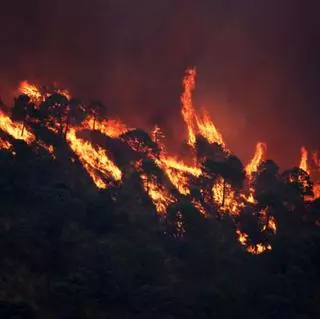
[[94, 123], [223, 192], [67, 128], [22, 129]]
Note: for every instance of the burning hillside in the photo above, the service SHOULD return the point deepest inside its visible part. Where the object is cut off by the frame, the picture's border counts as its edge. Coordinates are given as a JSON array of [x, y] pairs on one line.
[[211, 179]]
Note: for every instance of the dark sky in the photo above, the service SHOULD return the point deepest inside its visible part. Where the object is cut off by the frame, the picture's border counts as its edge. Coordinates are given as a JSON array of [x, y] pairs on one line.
[[258, 62]]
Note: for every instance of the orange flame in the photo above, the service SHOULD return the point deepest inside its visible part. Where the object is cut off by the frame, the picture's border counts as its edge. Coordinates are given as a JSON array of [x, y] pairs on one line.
[[208, 130], [256, 160], [35, 93], [31, 90], [110, 127], [304, 160], [252, 249], [15, 129], [4, 144], [160, 197], [225, 197], [95, 160], [188, 111], [178, 172]]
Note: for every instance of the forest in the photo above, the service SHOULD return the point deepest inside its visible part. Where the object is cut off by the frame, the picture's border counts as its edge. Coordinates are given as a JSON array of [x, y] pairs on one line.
[[99, 220]]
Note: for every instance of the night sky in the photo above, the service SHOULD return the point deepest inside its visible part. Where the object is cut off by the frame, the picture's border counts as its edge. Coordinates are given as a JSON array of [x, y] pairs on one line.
[[258, 63]]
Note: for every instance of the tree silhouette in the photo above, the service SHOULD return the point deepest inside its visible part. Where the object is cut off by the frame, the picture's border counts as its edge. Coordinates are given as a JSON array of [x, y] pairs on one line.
[[298, 183], [267, 184], [97, 110], [54, 111], [21, 110]]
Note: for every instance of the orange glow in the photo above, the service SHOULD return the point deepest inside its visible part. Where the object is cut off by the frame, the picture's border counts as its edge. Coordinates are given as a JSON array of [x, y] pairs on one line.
[[94, 159], [15, 129], [188, 111], [208, 130], [304, 160], [256, 160]]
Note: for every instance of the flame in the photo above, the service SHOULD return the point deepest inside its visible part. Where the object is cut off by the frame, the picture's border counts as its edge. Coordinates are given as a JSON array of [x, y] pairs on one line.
[[4, 144], [258, 249], [199, 207], [208, 130], [15, 129], [225, 197], [36, 94], [304, 160], [110, 127], [178, 172], [160, 197], [95, 160], [256, 160], [252, 249], [157, 136], [188, 111], [272, 224], [31, 90]]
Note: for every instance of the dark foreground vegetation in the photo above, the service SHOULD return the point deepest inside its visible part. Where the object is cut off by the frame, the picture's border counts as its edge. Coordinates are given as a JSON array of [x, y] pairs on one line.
[[71, 251]]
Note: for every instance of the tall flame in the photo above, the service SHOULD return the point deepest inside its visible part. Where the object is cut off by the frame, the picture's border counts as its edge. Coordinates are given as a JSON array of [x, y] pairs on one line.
[[256, 160], [304, 160]]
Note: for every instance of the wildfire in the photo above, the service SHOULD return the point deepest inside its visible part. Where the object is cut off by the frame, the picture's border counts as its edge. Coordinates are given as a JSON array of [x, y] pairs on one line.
[[95, 160], [183, 176], [256, 160], [15, 129]]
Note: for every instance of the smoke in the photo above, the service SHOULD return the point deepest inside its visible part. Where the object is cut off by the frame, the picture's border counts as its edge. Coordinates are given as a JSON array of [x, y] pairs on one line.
[[257, 63]]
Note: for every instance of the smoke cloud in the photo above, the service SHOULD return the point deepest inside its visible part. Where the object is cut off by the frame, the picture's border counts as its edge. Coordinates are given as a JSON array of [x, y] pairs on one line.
[[257, 62]]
